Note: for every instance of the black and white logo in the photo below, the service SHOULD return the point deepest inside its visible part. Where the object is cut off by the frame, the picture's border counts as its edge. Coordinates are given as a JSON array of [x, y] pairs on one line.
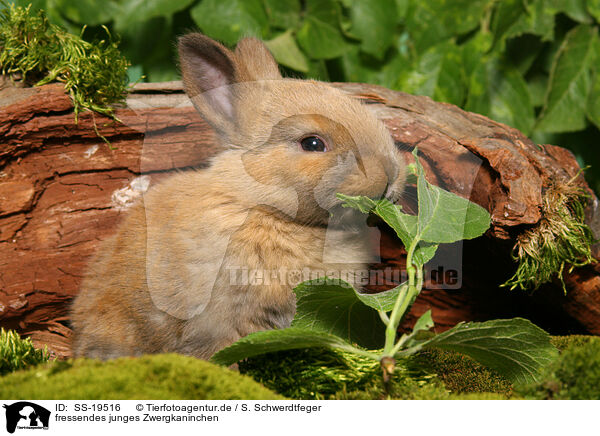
[[26, 415]]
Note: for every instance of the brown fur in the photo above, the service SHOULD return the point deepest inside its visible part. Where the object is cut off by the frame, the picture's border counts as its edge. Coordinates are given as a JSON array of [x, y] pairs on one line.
[[163, 282]]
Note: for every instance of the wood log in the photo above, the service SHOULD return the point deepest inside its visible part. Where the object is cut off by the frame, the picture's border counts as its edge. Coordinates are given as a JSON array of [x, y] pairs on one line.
[[63, 190]]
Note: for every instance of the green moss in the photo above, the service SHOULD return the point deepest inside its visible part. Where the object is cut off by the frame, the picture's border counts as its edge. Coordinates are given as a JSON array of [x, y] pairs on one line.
[[402, 387], [561, 240], [575, 375], [325, 374], [461, 374], [311, 373], [163, 376], [94, 74], [564, 342], [480, 396], [17, 353]]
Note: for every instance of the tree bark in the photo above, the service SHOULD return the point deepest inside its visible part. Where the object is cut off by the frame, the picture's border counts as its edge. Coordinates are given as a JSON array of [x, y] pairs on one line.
[[63, 190]]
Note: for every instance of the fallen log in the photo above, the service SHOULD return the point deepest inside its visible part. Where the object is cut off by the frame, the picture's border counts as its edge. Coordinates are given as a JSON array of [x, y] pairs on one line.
[[63, 190]]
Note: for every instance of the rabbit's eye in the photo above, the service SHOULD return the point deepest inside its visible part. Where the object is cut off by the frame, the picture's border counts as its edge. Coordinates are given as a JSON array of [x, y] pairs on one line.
[[313, 143]]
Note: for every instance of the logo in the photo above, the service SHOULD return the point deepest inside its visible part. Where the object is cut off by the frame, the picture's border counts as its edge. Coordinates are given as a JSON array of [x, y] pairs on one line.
[[26, 415]]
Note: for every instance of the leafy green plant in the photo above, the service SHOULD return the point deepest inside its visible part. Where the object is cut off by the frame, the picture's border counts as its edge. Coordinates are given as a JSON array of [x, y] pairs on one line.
[[94, 74], [17, 353], [331, 314]]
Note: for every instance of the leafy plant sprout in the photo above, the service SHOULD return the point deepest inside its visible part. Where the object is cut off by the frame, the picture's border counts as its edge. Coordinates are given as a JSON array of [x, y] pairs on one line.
[[331, 314]]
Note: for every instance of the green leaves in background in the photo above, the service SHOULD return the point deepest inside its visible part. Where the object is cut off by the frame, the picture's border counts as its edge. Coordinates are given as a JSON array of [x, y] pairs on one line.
[[89, 12], [502, 94], [439, 73], [286, 52], [230, 20], [374, 24], [133, 11], [569, 85], [283, 14], [320, 35]]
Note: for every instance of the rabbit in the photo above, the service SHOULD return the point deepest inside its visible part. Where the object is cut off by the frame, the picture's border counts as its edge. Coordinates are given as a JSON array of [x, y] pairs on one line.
[[172, 277]]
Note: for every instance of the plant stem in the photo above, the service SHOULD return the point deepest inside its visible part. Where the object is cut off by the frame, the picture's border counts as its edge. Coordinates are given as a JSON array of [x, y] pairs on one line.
[[384, 317], [410, 267], [392, 326], [405, 299]]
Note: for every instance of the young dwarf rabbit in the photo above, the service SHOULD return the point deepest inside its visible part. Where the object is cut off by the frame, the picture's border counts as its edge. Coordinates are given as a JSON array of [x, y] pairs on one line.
[[171, 278]]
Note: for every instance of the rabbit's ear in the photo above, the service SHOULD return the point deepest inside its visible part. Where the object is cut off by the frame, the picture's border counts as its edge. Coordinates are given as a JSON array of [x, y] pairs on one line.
[[209, 71], [255, 61]]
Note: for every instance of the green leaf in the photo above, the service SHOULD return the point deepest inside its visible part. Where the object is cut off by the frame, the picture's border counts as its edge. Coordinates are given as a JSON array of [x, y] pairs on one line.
[[318, 70], [403, 224], [287, 53], [593, 7], [283, 14], [158, 34], [439, 74], [475, 52], [593, 102], [335, 307], [425, 27], [380, 301], [425, 322], [445, 217], [567, 94], [291, 338], [327, 11], [230, 20], [538, 20], [575, 9], [523, 53], [133, 11], [405, 227], [515, 348], [502, 94], [506, 16], [321, 40], [135, 73], [361, 203], [443, 18], [537, 86], [420, 332], [88, 12], [383, 301], [374, 22]]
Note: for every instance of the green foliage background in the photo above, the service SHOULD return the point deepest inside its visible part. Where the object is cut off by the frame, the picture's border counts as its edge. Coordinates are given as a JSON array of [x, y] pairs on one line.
[[532, 64]]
